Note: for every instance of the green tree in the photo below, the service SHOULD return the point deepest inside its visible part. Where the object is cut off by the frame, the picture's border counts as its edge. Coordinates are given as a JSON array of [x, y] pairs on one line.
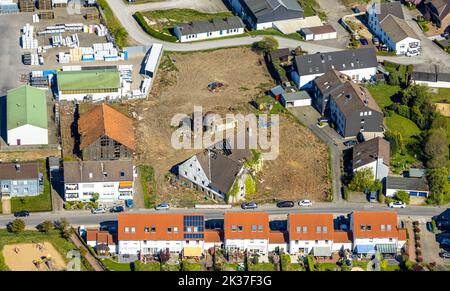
[[95, 197], [46, 226], [64, 228], [402, 196], [437, 148], [267, 45], [396, 141], [394, 78], [439, 185], [16, 226], [417, 117], [363, 179]]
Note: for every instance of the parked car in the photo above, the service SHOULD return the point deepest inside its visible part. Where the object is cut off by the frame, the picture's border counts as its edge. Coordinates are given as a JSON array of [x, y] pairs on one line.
[[398, 204], [23, 213], [373, 197], [99, 210], [129, 203], [117, 209], [363, 41], [285, 204], [441, 217], [412, 53], [350, 143], [305, 203], [443, 225], [375, 41], [163, 206], [445, 255], [249, 205]]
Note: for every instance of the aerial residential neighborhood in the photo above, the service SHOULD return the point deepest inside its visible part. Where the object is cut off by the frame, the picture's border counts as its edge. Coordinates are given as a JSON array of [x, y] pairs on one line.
[[225, 135]]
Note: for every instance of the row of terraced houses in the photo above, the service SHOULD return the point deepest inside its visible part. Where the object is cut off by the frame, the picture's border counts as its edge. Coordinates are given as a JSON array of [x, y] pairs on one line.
[[316, 234]]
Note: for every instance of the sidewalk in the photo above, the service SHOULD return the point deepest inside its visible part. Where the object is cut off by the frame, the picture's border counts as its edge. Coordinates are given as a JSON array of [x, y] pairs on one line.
[[89, 257]]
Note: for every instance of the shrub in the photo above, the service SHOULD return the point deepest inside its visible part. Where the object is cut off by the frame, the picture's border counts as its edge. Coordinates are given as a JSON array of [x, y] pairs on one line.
[[402, 196], [345, 193], [16, 226], [433, 226], [418, 253], [403, 110], [162, 36], [267, 45]]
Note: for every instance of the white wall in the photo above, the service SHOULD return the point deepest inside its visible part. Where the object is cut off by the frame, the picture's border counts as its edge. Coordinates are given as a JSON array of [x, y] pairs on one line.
[[281, 246], [433, 84], [28, 135], [324, 36], [379, 169], [108, 191], [251, 244], [405, 45], [95, 96], [207, 35], [133, 247], [375, 241], [297, 103], [356, 75], [308, 245], [265, 25]]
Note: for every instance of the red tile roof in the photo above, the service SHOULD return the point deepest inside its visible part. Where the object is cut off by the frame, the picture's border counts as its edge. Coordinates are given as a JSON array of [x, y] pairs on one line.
[[213, 236], [99, 236], [104, 120], [278, 237], [314, 223], [246, 225], [402, 234], [340, 236], [376, 221], [143, 225]]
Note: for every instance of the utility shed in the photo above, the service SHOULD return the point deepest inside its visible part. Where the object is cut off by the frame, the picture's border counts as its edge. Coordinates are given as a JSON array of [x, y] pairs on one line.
[[92, 84], [319, 32], [26, 116], [417, 187], [295, 99]]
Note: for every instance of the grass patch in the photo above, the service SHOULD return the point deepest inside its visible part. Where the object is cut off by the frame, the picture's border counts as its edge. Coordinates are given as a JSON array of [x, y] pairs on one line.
[[383, 93], [170, 267], [114, 25], [115, 266], [63, 246], [153, 32], [311, 8], [192, 266], [152, 266], [147, 174], [261, 267], [327, 267], [405, 126], [39, 203], [442, 97], [360, 264], [293, 267], [400, 162], [274, 32]]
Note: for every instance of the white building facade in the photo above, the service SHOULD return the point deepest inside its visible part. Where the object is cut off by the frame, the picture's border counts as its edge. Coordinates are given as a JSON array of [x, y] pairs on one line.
[[28, 135]]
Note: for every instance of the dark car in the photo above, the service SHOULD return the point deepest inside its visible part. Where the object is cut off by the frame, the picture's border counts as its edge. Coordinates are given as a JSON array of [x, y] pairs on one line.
[[117, 209], [22, 213], [285, 204], [350, 143], [443, 225], [249, 205], [363, 41], [445, 255]]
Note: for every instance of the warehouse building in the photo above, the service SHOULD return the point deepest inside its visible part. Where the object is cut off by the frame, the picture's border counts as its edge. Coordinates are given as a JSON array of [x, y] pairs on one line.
[[89, 84]]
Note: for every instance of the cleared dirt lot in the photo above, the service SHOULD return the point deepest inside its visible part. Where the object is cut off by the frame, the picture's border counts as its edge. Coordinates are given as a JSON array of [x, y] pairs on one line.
[[20, 257]]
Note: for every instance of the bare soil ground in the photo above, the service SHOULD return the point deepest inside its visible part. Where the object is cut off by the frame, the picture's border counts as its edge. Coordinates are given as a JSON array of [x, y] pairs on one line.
[[39, 154], [27, 253]]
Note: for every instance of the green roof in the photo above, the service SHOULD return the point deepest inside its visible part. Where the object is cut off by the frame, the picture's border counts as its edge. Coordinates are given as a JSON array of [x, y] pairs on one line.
[[89, 79], [26, 105]]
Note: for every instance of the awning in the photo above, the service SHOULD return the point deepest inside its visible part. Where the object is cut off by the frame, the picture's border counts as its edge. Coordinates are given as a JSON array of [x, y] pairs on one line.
[[322, 251], [126, 184], [387, 248], [192, 251], [365, 249]]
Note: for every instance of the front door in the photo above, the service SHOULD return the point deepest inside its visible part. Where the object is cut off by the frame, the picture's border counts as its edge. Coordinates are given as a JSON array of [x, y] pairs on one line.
[[18, 142]]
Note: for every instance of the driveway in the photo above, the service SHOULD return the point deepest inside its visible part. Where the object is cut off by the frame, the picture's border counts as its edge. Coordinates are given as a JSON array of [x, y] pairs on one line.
[[308, 116], [430, 247], [335, 10]]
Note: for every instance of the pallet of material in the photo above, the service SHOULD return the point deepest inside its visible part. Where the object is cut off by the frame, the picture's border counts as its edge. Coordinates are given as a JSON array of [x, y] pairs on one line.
[[45, 4], [92, 15], [26, 5], [46, 14]]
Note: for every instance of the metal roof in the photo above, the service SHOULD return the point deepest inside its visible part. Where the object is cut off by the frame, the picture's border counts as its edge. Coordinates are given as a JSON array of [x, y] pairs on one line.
[[202, 26], [407, 184], [88, 79]]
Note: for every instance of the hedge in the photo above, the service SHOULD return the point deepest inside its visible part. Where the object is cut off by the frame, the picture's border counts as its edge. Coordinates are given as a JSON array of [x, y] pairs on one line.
[[114, 25], [141, 20]]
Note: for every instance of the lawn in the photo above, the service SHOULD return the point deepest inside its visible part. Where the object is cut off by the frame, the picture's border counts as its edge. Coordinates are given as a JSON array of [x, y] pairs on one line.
[[261, 267], [442, 97], [147, 174], [165, 20], [39, 203], [114, 25], [115, 266], [360, 264], [152, 266], [62, 245], [402, 162], [405, 126], [293, 267], [192, 266], [311, 8], [170, 267], [383, 93], [327, 267]]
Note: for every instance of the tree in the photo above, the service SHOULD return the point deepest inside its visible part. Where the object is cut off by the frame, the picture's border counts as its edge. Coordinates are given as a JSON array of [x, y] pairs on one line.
[[439, 185], [46, 226], [436, 148], [64, 228], [362, 180], [164, 255], [394, 78], [16, 226], [417, 117], [95, 197], [396, 141], [267, 45], [402, 196]]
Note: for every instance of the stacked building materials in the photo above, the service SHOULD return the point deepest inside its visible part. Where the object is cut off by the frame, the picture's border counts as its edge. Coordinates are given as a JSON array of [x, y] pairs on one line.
[[63, 58], [45, 4], [75, 54], [101, 30], [92, 15], [46, 14], [69, 41], [28, 40], [73, 26], [35, 18], [26, 5], [7, 7], [59, 3]]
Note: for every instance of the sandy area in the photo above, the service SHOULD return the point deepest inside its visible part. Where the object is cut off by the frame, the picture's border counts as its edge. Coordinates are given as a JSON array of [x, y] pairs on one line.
[[22, 260]]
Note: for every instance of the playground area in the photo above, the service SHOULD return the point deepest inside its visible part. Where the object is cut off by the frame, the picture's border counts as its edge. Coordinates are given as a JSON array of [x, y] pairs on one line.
[[33, 257]]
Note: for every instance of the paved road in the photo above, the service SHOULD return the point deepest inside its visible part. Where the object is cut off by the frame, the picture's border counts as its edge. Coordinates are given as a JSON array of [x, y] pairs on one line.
[[85, 218]]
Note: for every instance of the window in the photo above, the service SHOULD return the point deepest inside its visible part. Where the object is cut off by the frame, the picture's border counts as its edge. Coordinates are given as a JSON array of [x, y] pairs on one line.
[[299, 229], [189, 229], [133, 229], [383, 227], [122, 174], [305, 229], [324, 229], [390, 239], [169, 229], [240, 228], [253, 228], [326, 241], [260, 228], [362, 227], [389, 227], [318, 229], [233, 228], [369, 227], [153, 229], [175, 229], [146, 229], [127, 229], [316, 242]]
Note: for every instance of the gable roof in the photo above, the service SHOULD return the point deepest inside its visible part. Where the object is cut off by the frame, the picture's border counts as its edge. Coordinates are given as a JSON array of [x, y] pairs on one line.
[[100, 236], [320, 63], [330, 80], [278, 237], [375, 220], [25, 171], [246, 220], [94, 171], [274, 10], [442, 7], [26, 105], [397, 28], [89, 79], [314, 223], [104, 120], [143, 222], [368, 151], [407, 183], [385, 9], [203, 26]]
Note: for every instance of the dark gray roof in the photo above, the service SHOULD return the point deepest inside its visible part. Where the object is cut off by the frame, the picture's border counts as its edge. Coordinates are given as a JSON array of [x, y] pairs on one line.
[[19, 171], [293, 96], [321, 63], [330, 80], [434, 73], [273, 10], [203, 26], [402, 183], [417, 173], [368, 151], [98, 171], [277, 90], [389, 8]]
